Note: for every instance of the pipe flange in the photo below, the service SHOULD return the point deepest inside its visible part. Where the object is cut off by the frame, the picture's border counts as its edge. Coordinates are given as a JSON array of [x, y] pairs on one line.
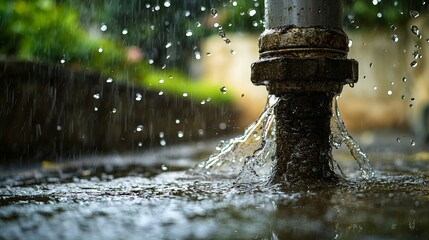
[[302, 42], [285, 74]]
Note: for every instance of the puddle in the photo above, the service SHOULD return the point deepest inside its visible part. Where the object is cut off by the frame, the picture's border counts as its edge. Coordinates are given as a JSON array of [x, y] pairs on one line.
[[134, 197]]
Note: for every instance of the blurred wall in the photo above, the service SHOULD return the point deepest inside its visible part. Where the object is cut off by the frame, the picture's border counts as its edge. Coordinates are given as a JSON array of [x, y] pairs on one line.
[[382, 99]]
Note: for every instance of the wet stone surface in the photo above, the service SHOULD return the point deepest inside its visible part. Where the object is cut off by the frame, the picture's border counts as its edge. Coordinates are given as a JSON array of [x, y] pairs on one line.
[[147, 202]]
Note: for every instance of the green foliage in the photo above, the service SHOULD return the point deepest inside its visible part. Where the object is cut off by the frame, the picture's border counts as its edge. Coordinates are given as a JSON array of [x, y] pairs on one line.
[[45, 30]]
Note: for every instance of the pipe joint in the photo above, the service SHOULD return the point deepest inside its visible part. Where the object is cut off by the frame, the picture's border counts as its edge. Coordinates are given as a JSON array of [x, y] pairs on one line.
[[286, 74]]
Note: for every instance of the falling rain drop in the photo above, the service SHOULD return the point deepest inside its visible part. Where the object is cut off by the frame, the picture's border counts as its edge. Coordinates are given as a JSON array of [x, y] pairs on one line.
[[223, 90], [185, 94], [414, 14], [168, 45], [412, 142], [124, 32], [251, 12], [404, 79], [389, 92], [139, 128], [413, 64], [96, 96], [180, 134], [161, 93], [167, 4], [100, 49], [350, 43], [161, 81], [103, 27], [213, 12], [411, 105], [162, 142], [416, 31], [177, 121], [188, 33], [164, 168], [395, 38], [138, 97], [109, 80], [233, 52], [95, 109], [113, 110], [398, 140], [197, 55], [370, 65]]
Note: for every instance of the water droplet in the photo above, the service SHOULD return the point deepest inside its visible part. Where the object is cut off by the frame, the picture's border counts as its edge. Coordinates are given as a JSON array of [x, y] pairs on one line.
[[62, 61], [187, 13], [404, 79], [370, 65], [161, 81], [177, 121], [109, 80], [251, 12], [162, 142], [138, 97], [398, 140], [392, 83], [233, 52], [198, 24], [157, 7], [393, 27], [411, 105], [227, 40], [167, 4], [140, 144], [375, 88], [180, 134], [221, 33], [379, 15], [203, 9], [168, 45], [213, 12], [395, 38], [223, 90], [96, 96], [103, 27], [203, 102], [164, 168], [185, 94], [139, 128], [95, 109], [352, 85], [113, 110], [413, 143], [412, 99], [222, 126], [150, 61], [197, 55], [414, 14], [416, 31], [59, 128], [413, 64], [350, 43], [403, 97], [208, 54], [389, 92], [188, 33], [100, 49], [161, 134], [161, 93], [125, 31]]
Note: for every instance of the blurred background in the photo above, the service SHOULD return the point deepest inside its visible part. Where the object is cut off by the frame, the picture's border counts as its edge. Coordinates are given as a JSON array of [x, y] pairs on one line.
[[84, 77]]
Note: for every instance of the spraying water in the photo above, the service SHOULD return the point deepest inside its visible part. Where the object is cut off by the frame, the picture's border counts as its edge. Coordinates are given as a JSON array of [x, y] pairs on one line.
[[250, 156]]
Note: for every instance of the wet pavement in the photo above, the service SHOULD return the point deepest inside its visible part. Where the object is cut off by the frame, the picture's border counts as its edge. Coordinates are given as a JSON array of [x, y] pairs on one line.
[[151, 196]]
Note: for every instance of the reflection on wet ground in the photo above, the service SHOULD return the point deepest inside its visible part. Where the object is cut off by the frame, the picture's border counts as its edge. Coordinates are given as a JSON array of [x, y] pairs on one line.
[[150, 196]]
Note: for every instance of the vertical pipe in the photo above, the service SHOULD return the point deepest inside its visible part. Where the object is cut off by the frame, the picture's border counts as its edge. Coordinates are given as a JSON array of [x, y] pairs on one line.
[[303, 61]]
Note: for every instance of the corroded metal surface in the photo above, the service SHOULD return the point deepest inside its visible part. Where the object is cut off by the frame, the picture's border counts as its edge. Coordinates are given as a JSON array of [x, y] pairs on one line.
[[303, 60], [303, 42]]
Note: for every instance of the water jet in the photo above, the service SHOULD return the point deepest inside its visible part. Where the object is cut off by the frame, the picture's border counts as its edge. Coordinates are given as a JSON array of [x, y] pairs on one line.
[[303, 61]]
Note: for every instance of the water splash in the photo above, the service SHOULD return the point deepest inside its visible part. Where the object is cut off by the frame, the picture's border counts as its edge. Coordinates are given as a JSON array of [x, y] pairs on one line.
[[340, 135], [250, 156], [250, 151]]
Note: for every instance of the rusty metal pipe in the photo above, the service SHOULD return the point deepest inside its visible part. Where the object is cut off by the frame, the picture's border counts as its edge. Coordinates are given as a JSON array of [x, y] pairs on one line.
[[303, 60]]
